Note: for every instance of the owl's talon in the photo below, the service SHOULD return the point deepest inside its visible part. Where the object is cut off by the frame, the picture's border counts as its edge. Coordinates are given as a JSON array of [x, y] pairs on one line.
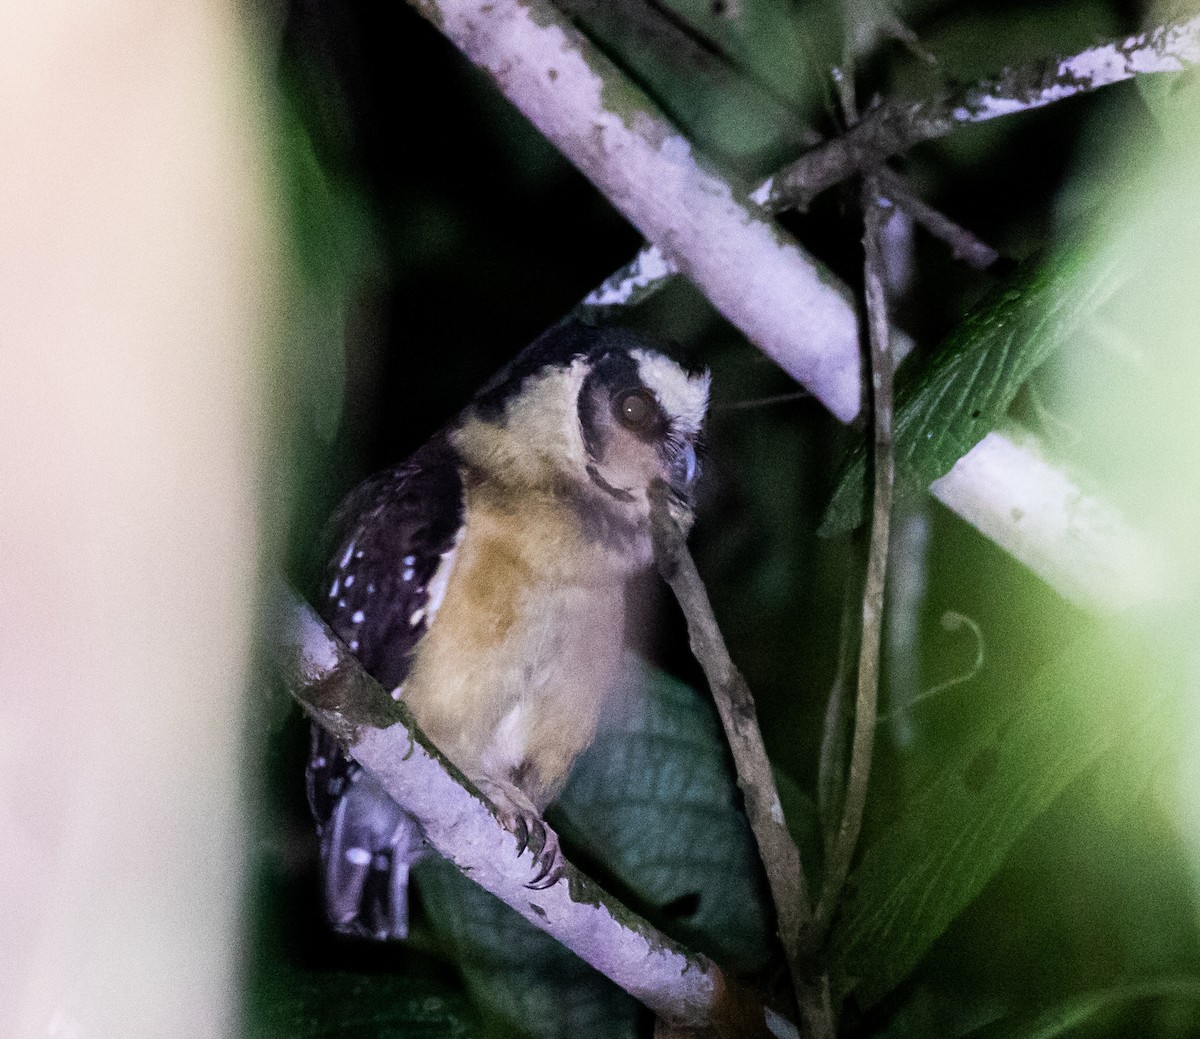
[[518, 815], [537, 837], [553, 877], [519, 829], [549, 861]]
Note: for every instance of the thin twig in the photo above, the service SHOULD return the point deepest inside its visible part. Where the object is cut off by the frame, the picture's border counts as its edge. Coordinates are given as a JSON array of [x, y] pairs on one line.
[[964, 245], [649, 271], [897, 126], [761, 402], [844, 76], [951, 621], [735, 706], [330, 684], [866, 701], [908, 573]]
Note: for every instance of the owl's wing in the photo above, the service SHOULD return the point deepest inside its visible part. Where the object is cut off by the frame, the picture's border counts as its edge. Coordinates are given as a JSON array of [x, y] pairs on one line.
[[389, 539]]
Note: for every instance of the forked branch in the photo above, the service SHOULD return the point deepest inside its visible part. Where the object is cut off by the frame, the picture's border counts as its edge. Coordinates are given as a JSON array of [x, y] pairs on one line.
[[896, 126]]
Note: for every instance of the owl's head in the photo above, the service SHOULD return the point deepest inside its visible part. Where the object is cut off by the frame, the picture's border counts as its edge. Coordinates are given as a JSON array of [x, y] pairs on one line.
[[603, 411]]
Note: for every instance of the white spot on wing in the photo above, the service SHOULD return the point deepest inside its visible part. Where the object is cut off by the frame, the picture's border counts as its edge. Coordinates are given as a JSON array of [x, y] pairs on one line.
[[441, 578], [358, 856], [346, 558], [349, 580], [408, 574], [334, 589], [415, 619], [357, 617]]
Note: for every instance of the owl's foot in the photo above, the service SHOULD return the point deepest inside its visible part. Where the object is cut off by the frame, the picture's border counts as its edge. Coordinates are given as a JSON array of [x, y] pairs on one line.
[[519, 816]]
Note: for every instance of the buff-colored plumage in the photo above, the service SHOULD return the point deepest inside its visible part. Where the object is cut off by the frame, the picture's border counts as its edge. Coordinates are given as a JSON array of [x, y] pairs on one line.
[[485, 581]]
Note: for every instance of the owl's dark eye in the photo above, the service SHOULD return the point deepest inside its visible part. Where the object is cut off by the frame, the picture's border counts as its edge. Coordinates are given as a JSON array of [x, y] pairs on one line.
[[636, 410]]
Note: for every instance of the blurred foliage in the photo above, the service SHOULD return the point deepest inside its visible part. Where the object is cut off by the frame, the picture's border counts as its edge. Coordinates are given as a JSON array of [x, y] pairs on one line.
[[1029, 864], [331, 1004], [958, 827]]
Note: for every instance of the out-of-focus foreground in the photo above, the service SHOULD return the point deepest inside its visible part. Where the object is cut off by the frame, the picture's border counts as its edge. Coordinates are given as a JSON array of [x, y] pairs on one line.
[[137, 292]]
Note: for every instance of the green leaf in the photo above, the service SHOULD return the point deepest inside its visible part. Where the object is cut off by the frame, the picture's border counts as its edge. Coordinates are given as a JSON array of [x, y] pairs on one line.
[[965, 391], [961, 824], [523, 981], [1071, 1013], [655, 807], [288, 1002], [652, 811]]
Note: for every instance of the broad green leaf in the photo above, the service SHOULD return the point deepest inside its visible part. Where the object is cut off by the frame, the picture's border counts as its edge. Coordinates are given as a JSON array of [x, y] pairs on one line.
[[524, 982], [959, 827], [652, 811], [655, 806], [289, 1002], [1070, 1014], [964, 392]]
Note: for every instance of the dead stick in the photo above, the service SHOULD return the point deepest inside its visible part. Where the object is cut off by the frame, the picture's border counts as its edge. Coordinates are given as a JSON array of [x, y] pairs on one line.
[[735, 705]]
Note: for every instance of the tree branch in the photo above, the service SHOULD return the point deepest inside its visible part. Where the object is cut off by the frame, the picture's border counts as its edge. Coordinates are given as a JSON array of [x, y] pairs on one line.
[[1009, 489], [753, 272], [638, 280], [735, 706], [809, 337], [896, 126], [329, 683], [964, 245]]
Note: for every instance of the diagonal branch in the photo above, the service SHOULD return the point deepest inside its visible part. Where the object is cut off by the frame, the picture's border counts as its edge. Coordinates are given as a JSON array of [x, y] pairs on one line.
[[735, 705], [964, 245], [896, 126], [813, 335], [335, 691], [752, 271]]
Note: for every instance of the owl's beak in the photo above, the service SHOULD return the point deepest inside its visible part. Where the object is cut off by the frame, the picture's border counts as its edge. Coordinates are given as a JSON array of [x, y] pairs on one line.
[[683, 471]]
